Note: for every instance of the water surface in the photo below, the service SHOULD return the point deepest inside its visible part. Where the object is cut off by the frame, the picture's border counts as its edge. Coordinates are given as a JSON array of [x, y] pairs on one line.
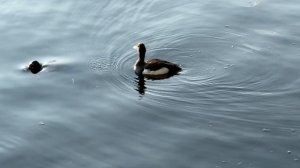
[[235, 104]]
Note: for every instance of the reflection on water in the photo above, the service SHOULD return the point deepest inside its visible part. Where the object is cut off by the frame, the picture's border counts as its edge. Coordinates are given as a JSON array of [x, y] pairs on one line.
[[239, 91], [140, 84]]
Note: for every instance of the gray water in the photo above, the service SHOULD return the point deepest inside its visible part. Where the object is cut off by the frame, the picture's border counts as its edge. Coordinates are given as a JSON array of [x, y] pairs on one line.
[[235, 104]]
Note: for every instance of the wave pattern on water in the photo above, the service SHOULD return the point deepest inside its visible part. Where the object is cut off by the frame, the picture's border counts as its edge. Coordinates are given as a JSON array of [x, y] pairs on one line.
[[238, 91]]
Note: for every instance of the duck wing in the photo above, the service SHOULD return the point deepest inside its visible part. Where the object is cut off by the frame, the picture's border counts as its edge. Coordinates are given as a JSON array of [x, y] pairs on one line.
[[156, 64]]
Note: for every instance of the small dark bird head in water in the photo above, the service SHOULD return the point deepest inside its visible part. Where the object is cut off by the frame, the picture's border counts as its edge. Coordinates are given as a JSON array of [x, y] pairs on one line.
[[35, 67]]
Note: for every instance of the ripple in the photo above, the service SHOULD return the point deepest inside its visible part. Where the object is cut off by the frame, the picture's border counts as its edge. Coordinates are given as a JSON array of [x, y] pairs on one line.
[[52, 64], [249, 3], [219, 65], [200, 67], [206, 73]]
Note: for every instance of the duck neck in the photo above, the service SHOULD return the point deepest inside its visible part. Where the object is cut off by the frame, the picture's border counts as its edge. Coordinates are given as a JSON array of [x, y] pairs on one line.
[[141, 60]]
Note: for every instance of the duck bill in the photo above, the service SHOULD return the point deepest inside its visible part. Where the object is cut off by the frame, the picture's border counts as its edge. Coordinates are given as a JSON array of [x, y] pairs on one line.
[[135, 47]]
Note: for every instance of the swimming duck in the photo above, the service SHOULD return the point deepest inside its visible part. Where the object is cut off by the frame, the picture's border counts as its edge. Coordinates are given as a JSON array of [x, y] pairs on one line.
[[153, 68], [35, 67]]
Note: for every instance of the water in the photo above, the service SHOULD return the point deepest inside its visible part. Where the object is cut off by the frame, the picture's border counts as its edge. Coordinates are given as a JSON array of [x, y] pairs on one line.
[[235, 104]]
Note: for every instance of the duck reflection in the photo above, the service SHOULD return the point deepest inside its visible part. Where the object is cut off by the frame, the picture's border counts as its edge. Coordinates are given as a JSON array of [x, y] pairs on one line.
[[140, 81], [140, 84]]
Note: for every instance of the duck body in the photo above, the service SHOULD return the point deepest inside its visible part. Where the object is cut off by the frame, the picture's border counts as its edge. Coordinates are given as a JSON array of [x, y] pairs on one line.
[[153, 68]]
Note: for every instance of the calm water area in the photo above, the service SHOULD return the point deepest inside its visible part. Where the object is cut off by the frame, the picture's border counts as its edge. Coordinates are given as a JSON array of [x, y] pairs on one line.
[[235, 104]]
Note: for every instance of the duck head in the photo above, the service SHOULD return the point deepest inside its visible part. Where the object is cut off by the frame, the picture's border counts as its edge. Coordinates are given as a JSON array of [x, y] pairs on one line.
[[35, 67], [141, 49]]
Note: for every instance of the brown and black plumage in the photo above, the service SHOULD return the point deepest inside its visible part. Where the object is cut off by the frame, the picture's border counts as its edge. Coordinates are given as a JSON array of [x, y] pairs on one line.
[[153, 68]]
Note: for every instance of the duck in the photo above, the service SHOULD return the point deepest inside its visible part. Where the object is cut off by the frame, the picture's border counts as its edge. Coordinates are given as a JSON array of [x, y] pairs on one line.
[[153, 68]]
